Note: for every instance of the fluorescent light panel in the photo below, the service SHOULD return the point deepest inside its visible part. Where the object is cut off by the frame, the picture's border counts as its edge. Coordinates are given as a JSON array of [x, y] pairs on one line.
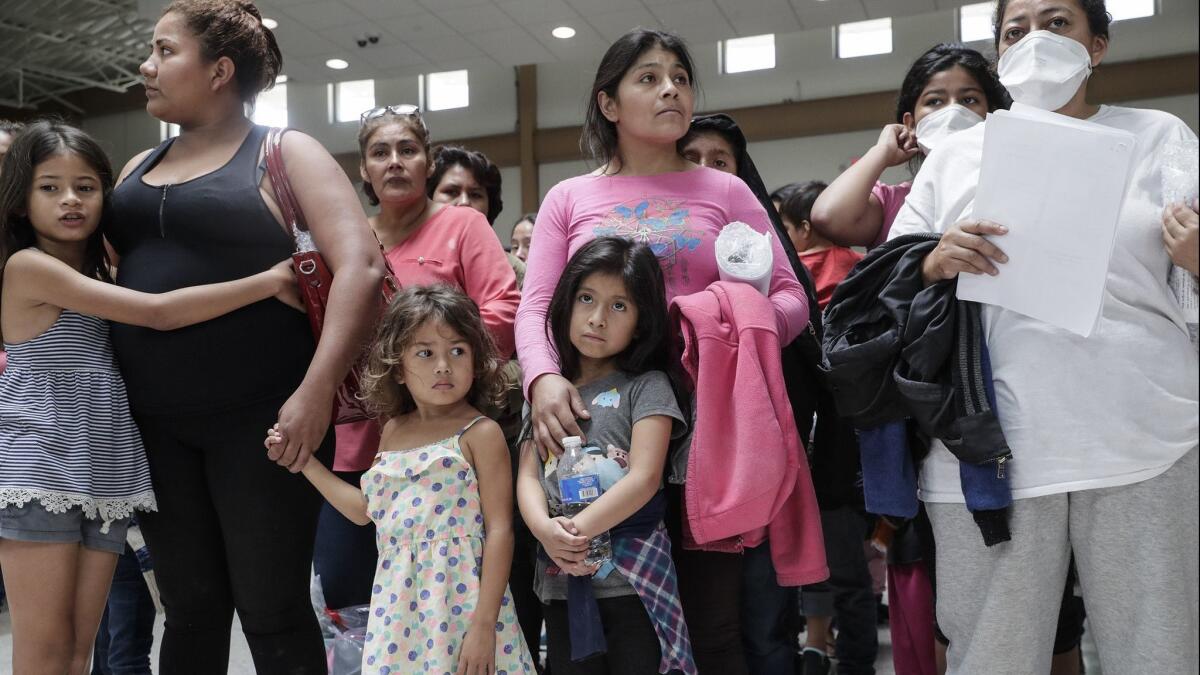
[[740, 55], [864, 38], [975, 22]]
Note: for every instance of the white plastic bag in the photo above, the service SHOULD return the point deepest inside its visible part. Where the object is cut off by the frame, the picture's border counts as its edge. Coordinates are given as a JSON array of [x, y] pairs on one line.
[[1181, 185], [745, 255]]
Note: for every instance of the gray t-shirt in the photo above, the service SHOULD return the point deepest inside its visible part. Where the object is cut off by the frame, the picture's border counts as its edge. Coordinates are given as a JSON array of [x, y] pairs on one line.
[[616, 402]]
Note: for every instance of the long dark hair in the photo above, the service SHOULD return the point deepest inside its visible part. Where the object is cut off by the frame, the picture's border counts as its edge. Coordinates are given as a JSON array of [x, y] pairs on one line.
[[639, 269], [35, 144], [944, 57], [599, 137], [486, 173]]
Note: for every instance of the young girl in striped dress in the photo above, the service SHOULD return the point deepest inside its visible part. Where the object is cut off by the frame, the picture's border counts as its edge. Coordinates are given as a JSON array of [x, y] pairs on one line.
[[72, 467]]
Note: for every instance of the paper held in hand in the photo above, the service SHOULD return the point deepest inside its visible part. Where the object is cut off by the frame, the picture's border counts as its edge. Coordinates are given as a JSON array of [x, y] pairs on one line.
[[1057, 184]]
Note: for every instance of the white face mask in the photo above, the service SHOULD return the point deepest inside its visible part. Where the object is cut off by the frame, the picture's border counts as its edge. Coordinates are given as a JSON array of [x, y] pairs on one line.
[[1044, 69], [937, 125]]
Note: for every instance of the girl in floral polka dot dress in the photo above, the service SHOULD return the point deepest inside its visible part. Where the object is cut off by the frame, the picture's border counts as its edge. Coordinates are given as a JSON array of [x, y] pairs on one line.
[[439, 493]]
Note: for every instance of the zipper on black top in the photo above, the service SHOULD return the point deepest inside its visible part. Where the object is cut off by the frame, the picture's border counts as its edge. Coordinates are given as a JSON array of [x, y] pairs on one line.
[[162, 230]]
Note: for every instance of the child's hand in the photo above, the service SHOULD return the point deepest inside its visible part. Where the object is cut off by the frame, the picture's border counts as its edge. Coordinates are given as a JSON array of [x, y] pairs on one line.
[[562, 540], [575, 569], [289, 290], [477, 656], [1180, 227], [274, 438]]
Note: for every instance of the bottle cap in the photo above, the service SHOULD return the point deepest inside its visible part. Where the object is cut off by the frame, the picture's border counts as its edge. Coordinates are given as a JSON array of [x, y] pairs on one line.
[[572, 440]]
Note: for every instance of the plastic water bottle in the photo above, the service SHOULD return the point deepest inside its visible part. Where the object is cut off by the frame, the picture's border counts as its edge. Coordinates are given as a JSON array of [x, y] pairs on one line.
[[579, 485]]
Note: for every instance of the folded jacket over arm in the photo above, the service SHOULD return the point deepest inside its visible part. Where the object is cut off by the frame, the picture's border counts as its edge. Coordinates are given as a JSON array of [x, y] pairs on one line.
[[896, 350]]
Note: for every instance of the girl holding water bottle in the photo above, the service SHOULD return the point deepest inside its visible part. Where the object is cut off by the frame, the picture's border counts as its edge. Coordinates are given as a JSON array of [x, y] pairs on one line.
[[604, 567]]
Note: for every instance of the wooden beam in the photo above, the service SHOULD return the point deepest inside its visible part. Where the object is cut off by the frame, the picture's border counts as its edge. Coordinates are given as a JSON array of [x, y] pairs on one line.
[[526, 131]]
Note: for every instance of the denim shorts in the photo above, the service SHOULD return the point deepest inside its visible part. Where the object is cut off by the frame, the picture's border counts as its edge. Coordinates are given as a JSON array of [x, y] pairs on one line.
[[32, 522]]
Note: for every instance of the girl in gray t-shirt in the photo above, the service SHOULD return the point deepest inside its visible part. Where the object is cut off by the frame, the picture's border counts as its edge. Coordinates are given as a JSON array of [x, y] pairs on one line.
[[608, 321]]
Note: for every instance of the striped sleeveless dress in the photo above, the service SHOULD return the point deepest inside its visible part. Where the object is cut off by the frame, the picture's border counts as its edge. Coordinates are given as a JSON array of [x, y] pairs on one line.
[[67, 438]]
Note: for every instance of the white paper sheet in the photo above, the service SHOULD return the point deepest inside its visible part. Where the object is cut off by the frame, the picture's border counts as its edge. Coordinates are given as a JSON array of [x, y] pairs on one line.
[[1057, 184]]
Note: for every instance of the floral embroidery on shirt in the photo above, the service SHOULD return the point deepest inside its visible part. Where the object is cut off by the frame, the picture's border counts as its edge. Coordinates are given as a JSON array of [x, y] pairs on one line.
[[662, 224]]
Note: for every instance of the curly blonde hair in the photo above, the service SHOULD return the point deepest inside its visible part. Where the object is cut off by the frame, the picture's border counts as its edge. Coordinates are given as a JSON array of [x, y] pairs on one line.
[[408, 311]]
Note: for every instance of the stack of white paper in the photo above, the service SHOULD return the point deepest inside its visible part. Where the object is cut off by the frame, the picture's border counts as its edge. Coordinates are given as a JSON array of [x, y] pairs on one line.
[[1057, 184]]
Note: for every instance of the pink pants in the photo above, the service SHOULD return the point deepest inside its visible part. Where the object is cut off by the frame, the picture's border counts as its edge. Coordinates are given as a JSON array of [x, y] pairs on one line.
[[911, 619]]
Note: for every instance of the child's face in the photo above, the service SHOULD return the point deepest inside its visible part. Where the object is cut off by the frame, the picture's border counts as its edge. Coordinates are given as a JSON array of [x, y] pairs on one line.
[[65, 200], [603, 318], [439, 365]]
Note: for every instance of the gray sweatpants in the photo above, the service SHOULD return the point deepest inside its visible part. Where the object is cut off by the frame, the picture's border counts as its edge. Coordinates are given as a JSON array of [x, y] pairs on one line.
[[1136, 552]]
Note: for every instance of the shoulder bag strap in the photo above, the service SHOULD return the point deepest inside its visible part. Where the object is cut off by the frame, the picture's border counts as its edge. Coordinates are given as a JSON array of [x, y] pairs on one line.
[[293, 216]]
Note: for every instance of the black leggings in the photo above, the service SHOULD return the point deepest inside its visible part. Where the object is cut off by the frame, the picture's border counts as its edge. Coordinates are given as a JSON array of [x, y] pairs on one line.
[[710, 590], [233, 530], [632, 643]]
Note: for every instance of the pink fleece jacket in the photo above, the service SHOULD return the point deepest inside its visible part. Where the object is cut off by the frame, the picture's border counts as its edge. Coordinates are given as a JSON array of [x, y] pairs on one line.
[[747, 474]]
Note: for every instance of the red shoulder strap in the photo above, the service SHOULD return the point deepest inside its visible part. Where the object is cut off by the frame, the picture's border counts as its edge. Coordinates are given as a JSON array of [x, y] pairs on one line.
[[293, 216]]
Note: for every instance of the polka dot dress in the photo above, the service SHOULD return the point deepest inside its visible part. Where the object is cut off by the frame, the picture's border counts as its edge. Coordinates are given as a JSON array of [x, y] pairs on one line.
[[429, 525]]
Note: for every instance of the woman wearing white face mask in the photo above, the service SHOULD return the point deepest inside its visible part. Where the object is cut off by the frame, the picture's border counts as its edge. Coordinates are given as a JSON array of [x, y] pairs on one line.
[[1103, 430], [947, 89]]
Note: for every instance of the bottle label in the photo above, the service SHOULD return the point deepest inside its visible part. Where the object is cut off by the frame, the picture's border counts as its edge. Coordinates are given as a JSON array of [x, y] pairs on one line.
[[580, 489]]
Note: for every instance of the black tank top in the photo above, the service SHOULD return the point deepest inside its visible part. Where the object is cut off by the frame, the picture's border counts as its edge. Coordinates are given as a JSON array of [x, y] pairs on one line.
[[212, 228]]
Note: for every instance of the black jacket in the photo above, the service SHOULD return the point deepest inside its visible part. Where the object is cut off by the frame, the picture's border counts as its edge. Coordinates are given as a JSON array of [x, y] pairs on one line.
[[895, 349]]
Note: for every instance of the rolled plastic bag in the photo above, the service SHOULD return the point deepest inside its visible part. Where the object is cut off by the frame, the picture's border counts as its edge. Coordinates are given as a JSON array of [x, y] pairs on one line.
[[745, 255], [1181, 185]]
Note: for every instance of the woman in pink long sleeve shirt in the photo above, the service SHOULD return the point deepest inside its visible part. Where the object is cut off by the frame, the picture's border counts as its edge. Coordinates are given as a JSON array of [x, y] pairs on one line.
[[426, 243], [641, 105]]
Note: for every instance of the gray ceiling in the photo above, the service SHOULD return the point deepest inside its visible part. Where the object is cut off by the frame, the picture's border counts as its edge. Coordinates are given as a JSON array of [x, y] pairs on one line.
[[49, 48]]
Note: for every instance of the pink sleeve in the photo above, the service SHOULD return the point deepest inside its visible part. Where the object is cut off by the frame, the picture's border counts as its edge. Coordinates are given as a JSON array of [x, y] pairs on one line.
[[547, 258], [489, 280], [891, 198], [787, 295]]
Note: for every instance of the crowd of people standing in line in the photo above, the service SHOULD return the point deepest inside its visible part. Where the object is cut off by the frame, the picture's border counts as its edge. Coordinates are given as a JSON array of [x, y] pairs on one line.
[[189, 390]]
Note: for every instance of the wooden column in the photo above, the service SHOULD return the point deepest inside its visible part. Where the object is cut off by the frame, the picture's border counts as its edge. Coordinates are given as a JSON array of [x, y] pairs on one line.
[[526, 130]]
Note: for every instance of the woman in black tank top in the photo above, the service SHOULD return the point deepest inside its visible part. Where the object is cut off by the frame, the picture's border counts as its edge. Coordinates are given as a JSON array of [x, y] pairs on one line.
[[233, 530]]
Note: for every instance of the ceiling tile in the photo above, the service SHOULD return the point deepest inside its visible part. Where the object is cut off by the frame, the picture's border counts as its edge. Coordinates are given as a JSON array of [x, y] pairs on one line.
[[385, 9], [878, 9], [512, 46], [816, 14], [613, 25], [394, 56], [296, 40], [587, 7], [751, 17], [586, 43], [438, 50], [439, 5], [321, 15], [696, 21], [475, 19], [418, 27], [539, 11]]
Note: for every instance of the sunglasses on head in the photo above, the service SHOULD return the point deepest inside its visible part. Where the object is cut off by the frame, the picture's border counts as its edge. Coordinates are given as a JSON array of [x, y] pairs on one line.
[[403, 109]]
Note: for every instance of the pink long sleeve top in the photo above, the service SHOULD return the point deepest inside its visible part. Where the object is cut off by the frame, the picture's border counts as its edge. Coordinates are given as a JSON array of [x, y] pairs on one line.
[[677, 214], [455, 246]]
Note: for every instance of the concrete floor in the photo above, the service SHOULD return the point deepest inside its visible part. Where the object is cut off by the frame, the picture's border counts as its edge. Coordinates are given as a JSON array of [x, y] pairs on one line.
[[240, 663], [239, 653]]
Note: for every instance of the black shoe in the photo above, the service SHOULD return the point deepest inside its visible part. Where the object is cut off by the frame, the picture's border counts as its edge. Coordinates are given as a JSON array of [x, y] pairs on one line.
[[813, 662]]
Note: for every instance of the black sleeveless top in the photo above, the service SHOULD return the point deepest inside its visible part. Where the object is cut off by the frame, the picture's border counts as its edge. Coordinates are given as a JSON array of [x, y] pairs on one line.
[[212, 228]]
